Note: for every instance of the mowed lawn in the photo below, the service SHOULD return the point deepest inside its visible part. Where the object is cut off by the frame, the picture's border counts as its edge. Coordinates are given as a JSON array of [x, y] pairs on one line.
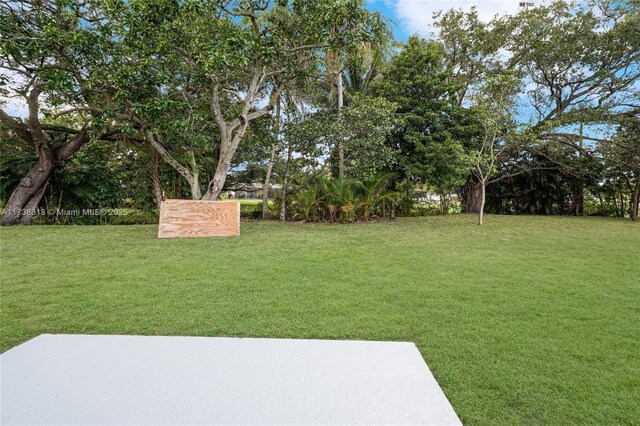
[[526, 320]]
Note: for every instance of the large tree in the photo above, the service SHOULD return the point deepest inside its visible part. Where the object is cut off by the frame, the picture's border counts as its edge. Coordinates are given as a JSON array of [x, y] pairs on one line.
[[52, 57], [581, 66], [239, 55], [430, 125], [622, 157], [360, 129], [578, 62]]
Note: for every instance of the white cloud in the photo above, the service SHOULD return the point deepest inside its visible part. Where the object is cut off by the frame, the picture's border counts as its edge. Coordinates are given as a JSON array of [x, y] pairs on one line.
[[416, 16]]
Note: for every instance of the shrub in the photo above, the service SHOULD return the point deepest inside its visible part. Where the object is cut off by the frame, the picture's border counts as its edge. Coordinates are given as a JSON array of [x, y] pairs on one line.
[[339, 200]]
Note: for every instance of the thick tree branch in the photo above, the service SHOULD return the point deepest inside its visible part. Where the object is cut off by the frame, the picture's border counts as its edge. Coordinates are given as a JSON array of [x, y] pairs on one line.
[[19, 128]]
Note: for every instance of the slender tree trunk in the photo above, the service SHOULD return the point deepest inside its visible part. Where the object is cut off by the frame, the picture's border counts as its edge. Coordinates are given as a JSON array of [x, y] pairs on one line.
[[444, 204], [392, 204], [340, 141], [602, 204], [615, 203], [194, 183], [635, 200], [191, 176], [483, 190], [155, 177], [285, 183], [577, 199], [266, 212]]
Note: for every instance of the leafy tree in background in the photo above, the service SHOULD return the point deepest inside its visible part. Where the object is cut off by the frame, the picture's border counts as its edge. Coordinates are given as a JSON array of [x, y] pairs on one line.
[[578, 64], [361, 128], [494, 104], [430, 126], [581, 66], [471, 49], [53, 57], [622, 157], [241, 54], [364, 64]]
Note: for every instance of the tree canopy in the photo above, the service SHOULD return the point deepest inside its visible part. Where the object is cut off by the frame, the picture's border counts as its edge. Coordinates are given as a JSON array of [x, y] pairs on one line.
[[537, 110]]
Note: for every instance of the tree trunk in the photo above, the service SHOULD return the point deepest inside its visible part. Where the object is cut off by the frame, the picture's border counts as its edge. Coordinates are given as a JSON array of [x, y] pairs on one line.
[[21, 206], [577, 199], [26, 197], [635, 200], [217, 183], [474, 197], [444, 203], [155, 177], [228, 146], [602, 204], [285, 183], [615, 203], [266, 213], [194, 183], [483, 188], [340, 141], [191, 176]]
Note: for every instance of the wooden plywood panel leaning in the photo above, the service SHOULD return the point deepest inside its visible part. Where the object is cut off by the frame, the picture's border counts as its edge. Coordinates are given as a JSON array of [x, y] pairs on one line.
[[195, 218]]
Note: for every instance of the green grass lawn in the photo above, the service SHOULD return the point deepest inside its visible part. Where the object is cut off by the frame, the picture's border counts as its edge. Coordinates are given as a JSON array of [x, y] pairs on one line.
[[526, 320]]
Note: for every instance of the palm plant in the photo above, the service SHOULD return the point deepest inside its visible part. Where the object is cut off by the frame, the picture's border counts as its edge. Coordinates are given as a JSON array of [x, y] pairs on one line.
[[373, 193], [307, 201], [341, 193]]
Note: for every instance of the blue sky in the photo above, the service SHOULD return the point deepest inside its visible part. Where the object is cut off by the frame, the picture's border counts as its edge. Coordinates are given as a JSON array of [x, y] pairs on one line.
[[415, 16], [408, 17]]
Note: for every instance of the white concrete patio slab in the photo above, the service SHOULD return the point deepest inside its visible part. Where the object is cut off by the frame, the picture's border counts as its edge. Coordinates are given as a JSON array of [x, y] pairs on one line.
[[126, 380]]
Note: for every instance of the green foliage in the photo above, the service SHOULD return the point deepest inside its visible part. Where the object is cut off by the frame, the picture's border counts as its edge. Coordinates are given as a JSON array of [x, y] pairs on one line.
[[373, 193], [431, 127], [362, 127], [88, 181], [250, 209], [495, 100], [536, 192], [206, 66], [340, 200], [135, 217], [622, 153], [15, 161], [427, 112]]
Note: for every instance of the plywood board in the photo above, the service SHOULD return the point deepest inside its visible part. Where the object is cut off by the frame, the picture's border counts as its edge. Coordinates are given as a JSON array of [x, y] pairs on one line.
[[195, 218], [158, 380]]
